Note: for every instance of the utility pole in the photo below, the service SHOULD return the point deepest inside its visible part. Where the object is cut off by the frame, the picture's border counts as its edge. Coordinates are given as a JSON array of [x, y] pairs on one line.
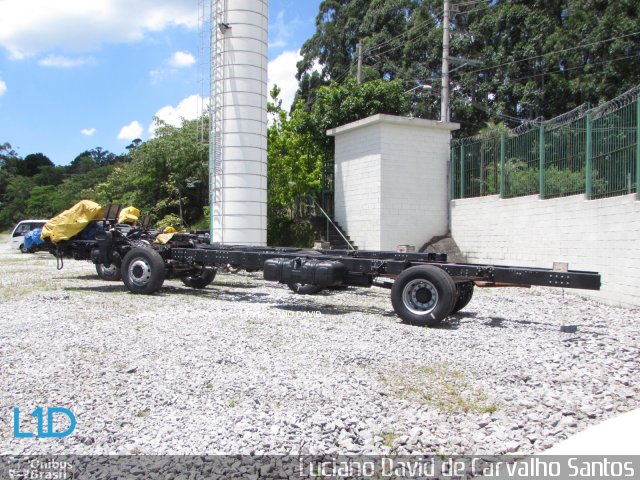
[[444, 101], [360, 55]]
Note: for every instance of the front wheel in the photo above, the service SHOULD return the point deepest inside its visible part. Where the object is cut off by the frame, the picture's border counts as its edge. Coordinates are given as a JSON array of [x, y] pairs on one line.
[[201, 279], [23, 249], [143, 270], [423, 295], [110, 273]]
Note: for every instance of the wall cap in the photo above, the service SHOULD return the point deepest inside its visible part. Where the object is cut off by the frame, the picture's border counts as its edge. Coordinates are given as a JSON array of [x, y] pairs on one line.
[[396, 120]]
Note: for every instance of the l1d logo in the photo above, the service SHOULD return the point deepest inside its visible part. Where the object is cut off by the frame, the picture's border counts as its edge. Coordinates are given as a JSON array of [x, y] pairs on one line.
[[38, 413]]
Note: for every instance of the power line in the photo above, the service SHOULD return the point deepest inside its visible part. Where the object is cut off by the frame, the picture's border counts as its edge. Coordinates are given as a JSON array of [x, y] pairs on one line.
[[464, 4], [577, 67], [513, 62], [406, 32], [380, 54], [467, 12], [554, 52]]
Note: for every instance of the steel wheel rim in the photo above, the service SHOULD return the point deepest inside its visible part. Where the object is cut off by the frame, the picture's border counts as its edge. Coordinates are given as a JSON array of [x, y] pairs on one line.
[[420, 296], [139, 272], [110, 270]]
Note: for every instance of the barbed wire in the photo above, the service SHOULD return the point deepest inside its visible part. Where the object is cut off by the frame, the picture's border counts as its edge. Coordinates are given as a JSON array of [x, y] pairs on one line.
[[578, 113], [617, 103], [568, 117]]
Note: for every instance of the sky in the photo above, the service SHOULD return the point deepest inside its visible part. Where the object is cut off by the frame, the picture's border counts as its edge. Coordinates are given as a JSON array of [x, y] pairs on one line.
[[81, 74]]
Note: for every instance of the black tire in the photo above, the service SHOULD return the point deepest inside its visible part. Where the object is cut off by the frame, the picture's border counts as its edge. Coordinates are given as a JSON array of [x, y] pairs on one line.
[[23, 249], [201, 279], [423, 295], [143, 270], [304, 288], [464, 293], [110, 273]]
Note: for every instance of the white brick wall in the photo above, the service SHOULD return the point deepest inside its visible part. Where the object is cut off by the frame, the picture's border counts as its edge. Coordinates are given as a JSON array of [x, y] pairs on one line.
[[600, 235], [391, 180]]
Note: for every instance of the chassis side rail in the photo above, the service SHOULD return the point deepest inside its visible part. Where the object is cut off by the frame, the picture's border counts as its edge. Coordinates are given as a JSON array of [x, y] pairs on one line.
[[389, 264]]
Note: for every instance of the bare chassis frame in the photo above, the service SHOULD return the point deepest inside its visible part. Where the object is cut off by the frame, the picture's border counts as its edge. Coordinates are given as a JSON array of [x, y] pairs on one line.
[[382, 264]]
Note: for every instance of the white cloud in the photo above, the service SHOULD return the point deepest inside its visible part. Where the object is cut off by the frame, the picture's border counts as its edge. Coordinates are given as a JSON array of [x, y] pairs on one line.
[[188, 109], [178, 60], [131, 131], [29, 27], [282, 72], [3, 88], [282, 30], [181, 60], [65, 62], [88, 131]]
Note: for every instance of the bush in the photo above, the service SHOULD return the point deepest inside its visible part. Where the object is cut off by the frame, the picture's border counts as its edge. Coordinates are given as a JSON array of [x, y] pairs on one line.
[[171, 220], [285, 232], [203, 223]]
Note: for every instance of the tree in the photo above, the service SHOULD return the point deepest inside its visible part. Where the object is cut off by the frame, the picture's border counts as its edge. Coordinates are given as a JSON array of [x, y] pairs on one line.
[[9, 159], [40, 204], [15, 198], [298, 147], [294, 160], [134, 144], [334, 43], [49, 175], [339, 104], [165, 175], [532, 57], [32, 164], [90, 159], [9, 166], [608, 63]]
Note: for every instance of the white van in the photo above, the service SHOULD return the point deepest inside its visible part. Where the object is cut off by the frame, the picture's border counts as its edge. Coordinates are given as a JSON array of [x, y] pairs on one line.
[[20, 230]]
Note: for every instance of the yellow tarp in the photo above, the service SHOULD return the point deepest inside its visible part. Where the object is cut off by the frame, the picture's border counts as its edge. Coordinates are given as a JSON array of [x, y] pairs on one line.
[[166, 235], [71, 222], [129, 215], [164, 238]]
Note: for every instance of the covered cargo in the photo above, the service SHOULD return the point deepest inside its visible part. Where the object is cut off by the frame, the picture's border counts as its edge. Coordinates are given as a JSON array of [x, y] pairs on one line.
[[71, 222], [32, 239], [129, 215]]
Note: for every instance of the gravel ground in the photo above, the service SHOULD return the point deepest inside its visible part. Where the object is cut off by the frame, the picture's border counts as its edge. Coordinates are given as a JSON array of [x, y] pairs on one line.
[[245, 366]]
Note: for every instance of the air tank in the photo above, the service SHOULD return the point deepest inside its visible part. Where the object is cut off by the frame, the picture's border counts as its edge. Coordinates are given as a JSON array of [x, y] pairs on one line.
[[238, 145]]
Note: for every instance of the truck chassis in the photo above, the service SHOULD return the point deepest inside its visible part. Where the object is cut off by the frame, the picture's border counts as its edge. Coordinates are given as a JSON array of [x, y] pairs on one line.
[[425, 287]]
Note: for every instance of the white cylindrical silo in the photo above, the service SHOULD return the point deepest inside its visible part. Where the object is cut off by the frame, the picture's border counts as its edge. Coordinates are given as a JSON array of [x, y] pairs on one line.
[[238, 176]]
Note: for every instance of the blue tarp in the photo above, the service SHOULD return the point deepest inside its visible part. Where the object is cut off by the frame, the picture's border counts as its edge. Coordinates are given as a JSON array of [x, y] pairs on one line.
[[32, 238]]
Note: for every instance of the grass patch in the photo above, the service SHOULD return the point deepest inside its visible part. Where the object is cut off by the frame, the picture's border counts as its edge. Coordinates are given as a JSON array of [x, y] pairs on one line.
[[439, 386], [9, 292], [388, 438], [142, 413], [232, 403]]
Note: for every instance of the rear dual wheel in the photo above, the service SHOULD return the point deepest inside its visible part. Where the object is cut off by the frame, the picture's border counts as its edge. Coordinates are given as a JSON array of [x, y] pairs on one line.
[[464, 293], [201, 279], [423, 295]]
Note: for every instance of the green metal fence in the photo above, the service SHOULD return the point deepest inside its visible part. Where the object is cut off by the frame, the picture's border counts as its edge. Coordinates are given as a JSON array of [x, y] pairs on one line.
[[595, 152]]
